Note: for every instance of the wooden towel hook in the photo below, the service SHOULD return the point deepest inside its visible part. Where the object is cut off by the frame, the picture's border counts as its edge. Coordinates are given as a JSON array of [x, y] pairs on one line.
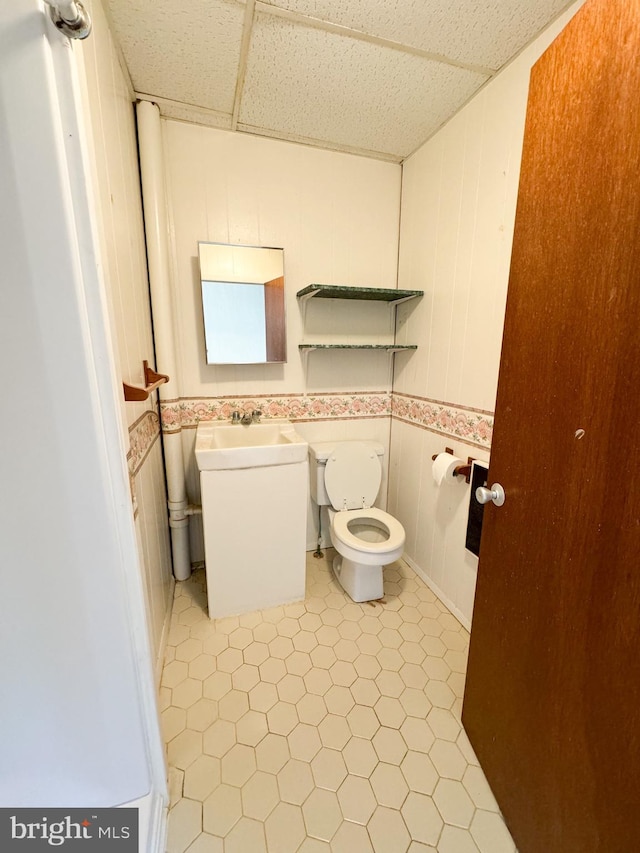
[[151, 381]]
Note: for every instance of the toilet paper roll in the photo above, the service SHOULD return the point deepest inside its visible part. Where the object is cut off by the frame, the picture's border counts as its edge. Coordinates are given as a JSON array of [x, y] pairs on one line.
[[443, 467]]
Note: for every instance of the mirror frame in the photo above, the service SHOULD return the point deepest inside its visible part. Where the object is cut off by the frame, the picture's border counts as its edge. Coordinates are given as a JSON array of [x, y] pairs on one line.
[[275, 308]]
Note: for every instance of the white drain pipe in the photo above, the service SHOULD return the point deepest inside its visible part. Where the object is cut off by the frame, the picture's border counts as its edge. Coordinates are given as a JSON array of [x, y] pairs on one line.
[[156, 228]]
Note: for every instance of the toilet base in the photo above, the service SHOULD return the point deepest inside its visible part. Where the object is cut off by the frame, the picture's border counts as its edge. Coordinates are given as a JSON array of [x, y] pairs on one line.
[[360, 582]]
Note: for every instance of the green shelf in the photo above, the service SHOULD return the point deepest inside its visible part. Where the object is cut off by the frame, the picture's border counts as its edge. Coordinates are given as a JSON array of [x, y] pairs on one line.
[[387, 347], [370, 294]]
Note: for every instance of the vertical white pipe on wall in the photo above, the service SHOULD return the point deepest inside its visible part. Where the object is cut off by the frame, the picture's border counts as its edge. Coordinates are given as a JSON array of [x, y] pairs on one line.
[[155, 217]]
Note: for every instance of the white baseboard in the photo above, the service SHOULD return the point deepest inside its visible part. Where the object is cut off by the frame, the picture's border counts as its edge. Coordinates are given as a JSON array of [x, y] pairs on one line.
[[438, 592], [165, 632]]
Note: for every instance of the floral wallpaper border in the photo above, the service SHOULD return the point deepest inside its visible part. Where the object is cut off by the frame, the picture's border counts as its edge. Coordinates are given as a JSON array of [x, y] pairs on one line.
[[186, 412], [142, 436], [473, 426]]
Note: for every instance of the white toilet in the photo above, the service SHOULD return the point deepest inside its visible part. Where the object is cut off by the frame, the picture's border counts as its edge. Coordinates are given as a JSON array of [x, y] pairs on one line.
[[346, 476]]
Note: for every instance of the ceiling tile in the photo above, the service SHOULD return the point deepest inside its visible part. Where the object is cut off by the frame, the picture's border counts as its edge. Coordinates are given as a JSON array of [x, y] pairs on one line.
[[477, 32], [184, 54], [326, 87]]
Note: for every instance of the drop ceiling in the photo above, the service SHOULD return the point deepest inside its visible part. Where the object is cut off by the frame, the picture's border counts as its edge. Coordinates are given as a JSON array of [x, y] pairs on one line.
[[374, 77]]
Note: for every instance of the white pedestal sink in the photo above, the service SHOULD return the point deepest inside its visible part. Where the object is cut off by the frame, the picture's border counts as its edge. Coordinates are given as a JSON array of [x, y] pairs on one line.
[[254, 484]]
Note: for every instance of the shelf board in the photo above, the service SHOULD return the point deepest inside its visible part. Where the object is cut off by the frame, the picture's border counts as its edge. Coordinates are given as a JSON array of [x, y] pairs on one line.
[[387, 347], [370, 294]]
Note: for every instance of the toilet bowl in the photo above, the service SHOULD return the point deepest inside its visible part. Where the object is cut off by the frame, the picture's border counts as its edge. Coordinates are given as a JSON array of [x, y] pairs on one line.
[[347, 479]]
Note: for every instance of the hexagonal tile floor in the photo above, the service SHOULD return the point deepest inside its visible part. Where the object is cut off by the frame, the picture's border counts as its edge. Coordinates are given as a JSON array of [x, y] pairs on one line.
[[323, 726]]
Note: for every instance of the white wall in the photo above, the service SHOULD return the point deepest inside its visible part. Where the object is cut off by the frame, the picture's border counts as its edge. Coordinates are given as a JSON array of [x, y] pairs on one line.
[[78, 711], [336, 217], [107, 98], [459, 196]]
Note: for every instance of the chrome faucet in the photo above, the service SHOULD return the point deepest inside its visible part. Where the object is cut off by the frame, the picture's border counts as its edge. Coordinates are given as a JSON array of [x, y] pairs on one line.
[[246, 418]]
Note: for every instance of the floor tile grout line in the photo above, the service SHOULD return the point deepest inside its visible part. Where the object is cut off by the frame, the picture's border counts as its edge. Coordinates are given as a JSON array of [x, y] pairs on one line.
[[331, 616]]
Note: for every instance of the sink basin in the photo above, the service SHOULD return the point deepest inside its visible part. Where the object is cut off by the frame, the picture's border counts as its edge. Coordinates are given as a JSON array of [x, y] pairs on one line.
[[222, 446]]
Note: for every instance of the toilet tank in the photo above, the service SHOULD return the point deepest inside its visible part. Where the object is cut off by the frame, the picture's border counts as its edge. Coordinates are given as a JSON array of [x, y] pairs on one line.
[[319, 452]]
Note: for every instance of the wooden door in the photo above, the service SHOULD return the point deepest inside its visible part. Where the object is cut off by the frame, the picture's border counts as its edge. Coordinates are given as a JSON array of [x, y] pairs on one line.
[[552, 702]]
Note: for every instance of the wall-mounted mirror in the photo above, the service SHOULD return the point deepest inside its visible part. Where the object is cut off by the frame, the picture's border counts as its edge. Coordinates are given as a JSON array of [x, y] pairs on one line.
[[243, 303]]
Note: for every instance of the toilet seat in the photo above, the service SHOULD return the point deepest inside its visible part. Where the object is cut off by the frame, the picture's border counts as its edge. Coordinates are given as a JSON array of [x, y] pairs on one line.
[[360, 547]]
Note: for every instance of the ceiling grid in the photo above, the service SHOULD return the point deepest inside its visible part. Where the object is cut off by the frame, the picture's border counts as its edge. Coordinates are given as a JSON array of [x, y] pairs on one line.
[[371, 77]]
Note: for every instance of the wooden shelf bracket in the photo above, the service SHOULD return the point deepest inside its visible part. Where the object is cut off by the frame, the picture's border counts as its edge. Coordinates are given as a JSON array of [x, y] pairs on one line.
[[152, 380]]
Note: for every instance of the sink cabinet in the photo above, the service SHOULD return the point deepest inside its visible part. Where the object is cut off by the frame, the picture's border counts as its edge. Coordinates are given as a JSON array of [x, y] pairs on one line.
[[254, 523]]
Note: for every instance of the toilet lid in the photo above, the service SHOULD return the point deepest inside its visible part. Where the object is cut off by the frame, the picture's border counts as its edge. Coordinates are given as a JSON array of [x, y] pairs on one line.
[[352, 476]]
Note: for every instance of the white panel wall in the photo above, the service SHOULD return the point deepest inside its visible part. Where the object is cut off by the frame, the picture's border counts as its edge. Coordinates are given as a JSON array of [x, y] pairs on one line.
[[108, 103], [153, 538], [335, 216], [458, 210], [112, 136]]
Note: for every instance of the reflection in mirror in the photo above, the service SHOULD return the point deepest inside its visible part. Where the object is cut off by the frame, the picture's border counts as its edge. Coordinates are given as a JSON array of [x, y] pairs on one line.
[[243, 303]]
